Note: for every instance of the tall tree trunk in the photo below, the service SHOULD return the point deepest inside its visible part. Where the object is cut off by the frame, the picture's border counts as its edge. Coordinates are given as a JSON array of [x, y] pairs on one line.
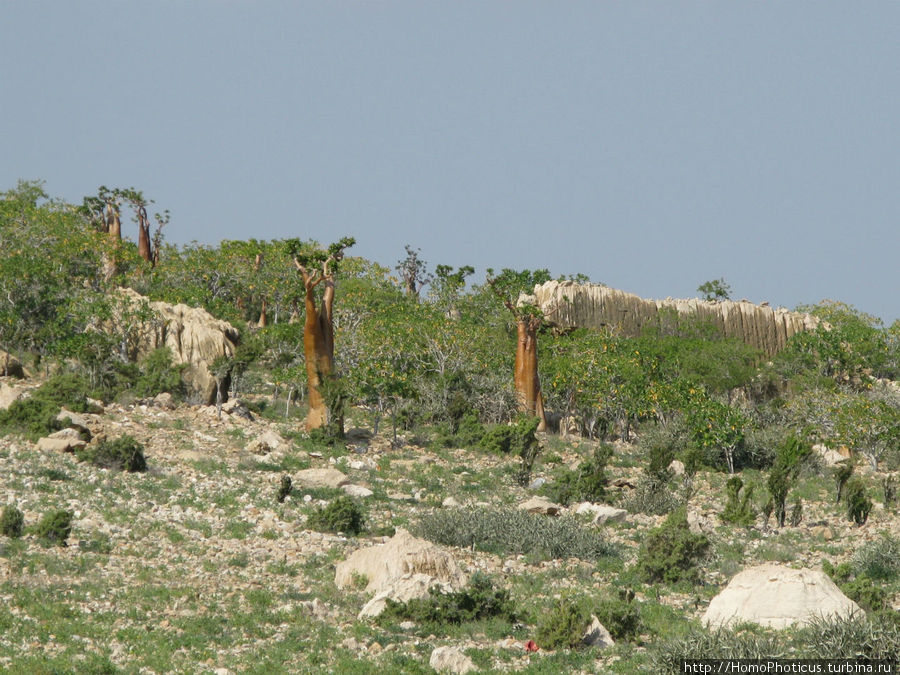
[[145, 249], [526, 379], [263, 316]]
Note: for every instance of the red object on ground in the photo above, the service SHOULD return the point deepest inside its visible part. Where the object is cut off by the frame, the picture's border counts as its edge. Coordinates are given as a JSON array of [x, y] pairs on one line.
[[530, 646]]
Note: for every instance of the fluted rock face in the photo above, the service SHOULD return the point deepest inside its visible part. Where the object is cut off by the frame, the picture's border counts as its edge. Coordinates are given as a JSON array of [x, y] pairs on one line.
[[568, 304]]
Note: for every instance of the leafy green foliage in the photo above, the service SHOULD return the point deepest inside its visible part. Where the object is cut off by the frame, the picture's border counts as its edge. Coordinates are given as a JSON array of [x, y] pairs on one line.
[[586, 483], [671, 552], [879, 559], [858, 503], [738, 508], [55, 527], [478, 601], [512, 531], [518, 439], [284, 489], [842, 473], [563, 626], [12, 522], [621, 616], [788, 461], [158, 374], [715, 290], [342, 514], [122, 454]]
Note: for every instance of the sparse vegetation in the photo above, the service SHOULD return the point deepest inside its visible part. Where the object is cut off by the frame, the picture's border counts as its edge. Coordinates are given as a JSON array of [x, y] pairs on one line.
[[671, 553], [342, 514], [55, 527], [122, 454], [12, 522]]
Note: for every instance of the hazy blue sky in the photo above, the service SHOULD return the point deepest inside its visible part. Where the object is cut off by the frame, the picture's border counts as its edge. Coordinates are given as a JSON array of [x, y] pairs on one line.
[[649, 145]]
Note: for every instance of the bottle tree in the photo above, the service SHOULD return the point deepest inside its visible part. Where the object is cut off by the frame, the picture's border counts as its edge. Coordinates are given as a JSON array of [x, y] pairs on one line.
[[509, 286], [317, 268]]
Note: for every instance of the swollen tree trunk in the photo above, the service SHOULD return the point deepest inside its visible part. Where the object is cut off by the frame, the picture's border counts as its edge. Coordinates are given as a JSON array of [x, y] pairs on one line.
[[318, 348], [145, 249], [525, 377]]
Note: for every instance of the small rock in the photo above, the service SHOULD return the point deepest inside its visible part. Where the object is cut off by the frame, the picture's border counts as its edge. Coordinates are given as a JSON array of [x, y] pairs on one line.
[[357, 491], [375, 648], [10, 366], [164, 400], [452, 660], [677, 467], [541, 505], [602, 513], [407, 625], [537, 483], [320, 478], [266, 443], [9, 395], [60, 444], [596, 635], [450, 503]]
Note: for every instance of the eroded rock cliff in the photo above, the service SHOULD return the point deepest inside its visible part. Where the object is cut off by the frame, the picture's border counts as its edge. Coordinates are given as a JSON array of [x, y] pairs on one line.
[[568, 304]]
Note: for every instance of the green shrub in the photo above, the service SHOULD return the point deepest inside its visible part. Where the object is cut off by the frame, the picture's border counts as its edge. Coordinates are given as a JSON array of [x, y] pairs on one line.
[[121, 454], [55, 527], [587, 483], [738, 509], [341, 515], [480, 600], [35, 416], [158, 374], [671, 552], [563, 626], [858, 503], [620, 616], [519, 440], [12, 522], [653, 497], [856, 637], [879, 559], [740, 642], [285, 488], [788, 462], [506, 531], [842, 473]]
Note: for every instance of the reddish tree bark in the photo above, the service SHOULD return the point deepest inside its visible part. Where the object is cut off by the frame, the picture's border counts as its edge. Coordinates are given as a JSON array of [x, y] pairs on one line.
[[526, 380], [145, 250], [318, 340]]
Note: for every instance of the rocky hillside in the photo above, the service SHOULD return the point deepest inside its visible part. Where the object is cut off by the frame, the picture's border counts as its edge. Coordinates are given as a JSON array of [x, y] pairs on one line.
[[207, 563]]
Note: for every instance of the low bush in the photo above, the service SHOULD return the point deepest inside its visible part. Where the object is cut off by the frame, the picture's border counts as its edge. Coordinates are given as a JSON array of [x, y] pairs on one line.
[[506, 531], [341, 515], [12, 522], [621, 616], [858, 503], [35, 416], [653, 497], [740, 642], [586, 483], [121, 454], [159, 374], [563, 626], [671, 552], [480, 600], [879, 559], [55, 527], [738, 508]]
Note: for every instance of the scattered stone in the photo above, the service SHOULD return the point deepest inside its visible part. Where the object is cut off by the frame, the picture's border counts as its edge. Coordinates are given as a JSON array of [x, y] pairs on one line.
[[541, 505], [88, 424], [698, 523], [450, 503], [401, 555], [9, 395], [320, 478], [601, 513], [237, 408], [164, 400], [267, 442], [64, 444], [451, 660], [677, 467], [828, 456], [596, 635], [537, 483], [778, 597], [357, 491]]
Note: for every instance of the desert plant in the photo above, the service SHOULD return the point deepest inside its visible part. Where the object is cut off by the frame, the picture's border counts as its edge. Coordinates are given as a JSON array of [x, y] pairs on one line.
[[586, 483], [740, 642], [858, 503], [788, 462], [12, 522], [621, 616], [340, 515], [842, 473], [853, 637], [879, 559], [796, 512], [563, 626], [889, 488], [655, 497], [122, 454], [285, 488], [159, 374], [738, 509], [478, 601], [671, 552], [506, 531], [55, 527]]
